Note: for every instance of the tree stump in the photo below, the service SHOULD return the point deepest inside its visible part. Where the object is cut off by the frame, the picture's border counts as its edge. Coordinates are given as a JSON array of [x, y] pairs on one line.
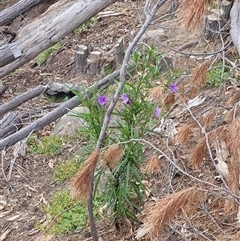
[[81, 59], [216, 19], [119, 52], [93, 63]]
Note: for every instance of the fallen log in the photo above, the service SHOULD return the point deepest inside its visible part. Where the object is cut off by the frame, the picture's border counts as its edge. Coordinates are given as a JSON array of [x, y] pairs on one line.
[[56, 113], [21, 99], [20, 7], [235, 24], [9, 124], [58, 21]]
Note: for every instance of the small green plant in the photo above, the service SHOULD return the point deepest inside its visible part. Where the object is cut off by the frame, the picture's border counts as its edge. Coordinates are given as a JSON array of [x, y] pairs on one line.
[[216, 76], [65, 170], [49, 145], [68, 213], [87, 25], [42, 57]]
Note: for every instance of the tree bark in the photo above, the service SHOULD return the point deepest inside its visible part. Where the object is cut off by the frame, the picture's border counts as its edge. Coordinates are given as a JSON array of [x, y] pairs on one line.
[[56, 113], [58, 21], [21, 99], [19, 8], [9, 124], [235, 24]]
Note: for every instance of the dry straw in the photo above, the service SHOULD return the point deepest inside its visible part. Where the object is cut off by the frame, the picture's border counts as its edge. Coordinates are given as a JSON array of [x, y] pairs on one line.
[[160, 213], [191, 13], [80, 185], [112, 156], [199, 74], [152, 165]]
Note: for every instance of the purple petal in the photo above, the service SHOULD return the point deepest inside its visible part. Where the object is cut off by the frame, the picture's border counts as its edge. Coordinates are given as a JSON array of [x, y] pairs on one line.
[[125, 99], [173, 88], [157, 112], [102, 100]]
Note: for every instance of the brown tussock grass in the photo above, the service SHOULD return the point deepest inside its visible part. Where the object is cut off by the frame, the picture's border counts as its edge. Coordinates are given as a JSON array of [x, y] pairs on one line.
[[156, 95], [153, 165], [169, 100], [183, 133], [191, 13], [199, 74], [231, 207], [161, 212], [208, 119], [232, 101], [193, 92], [234, 131], [112, 156], [197, 156], [80, 185]]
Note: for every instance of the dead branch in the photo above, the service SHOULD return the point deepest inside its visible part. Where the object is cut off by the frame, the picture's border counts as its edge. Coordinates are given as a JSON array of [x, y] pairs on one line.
[[58, 21], [21, 99], [18, 8], [56, 113]]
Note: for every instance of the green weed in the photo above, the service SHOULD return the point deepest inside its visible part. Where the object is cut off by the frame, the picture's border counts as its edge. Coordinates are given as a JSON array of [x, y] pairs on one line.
[[48, 145], [217, 75], [65, 170], [87, 25], [42, 57], [67, 213]]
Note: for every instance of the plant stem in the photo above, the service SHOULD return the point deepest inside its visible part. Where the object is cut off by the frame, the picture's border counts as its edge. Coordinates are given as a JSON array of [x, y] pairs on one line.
[[111, 106]]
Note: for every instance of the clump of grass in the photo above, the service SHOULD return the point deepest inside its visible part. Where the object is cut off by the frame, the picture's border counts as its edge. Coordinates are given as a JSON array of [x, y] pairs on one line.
[[216, 76], [65, 170], [49, 145], [42, 57], [87, 25], [68, 213]]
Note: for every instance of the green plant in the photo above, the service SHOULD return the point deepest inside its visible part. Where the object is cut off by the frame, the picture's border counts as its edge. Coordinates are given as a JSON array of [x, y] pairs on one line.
[[134, 115], [65, 170], [87, 25], [49, 145], [217, 75], [67, 213], [42, 57]]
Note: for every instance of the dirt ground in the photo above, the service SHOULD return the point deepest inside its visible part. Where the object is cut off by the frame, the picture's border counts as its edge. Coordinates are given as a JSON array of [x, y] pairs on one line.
[[31, 183]]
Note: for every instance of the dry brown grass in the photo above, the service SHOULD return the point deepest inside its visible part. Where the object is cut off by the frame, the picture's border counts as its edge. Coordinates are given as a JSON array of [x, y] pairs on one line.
[[161, 212], [156, 95], [152, 165], [184, 133], [80, 184], [191, 13], [112, 156], [199, 74]]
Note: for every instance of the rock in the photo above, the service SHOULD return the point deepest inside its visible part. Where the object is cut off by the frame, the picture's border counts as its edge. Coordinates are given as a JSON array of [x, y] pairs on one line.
[[69, 123]]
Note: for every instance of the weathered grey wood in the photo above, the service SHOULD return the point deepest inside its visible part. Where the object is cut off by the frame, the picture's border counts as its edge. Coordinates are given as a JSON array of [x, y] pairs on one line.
[[8, 53], [3, 88], [81, 59], [235, 24], [19, 8], [119, 52], [54, 88], [10, 124], [58, 21], [93, 63], [21, 99], [216, 19], [56, 113]]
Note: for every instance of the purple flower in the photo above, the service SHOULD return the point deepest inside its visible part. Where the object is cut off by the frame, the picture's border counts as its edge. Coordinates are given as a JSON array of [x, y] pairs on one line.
[[157, 112], [173, 88], [102, 100], [125, 99]]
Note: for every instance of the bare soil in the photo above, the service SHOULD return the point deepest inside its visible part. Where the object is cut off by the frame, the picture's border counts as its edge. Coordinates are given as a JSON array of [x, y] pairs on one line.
[[32, 184]]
